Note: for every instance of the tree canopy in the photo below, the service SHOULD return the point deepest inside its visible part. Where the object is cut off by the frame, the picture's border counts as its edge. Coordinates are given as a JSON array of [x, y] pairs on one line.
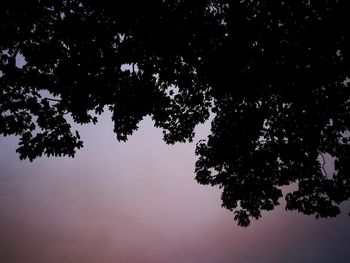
[[275, 75]]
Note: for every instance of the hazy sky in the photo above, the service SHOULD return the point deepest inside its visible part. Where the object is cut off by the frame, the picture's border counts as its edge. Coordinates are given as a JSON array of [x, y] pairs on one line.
[[138, 202]]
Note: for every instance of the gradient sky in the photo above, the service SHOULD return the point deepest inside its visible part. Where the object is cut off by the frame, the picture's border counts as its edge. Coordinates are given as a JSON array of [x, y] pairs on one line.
[[138, 202]]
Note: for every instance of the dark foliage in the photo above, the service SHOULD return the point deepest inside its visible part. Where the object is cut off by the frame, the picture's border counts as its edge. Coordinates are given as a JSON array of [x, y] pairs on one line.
[[274, 73]]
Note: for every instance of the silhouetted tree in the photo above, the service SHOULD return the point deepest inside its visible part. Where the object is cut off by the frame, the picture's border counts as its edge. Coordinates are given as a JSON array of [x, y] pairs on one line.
[[274, 73]]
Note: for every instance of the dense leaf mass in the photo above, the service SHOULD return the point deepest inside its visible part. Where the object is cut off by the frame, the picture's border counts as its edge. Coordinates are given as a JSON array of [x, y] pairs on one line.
[[275, 74]]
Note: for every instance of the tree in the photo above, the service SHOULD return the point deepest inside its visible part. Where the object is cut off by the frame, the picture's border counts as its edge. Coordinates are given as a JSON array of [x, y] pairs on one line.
[[275, 75]]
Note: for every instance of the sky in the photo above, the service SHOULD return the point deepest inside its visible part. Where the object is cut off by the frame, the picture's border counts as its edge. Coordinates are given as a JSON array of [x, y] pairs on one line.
[[138, 202]]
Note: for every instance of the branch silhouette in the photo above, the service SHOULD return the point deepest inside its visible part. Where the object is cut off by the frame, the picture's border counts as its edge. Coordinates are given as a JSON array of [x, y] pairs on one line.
[[275, 75]]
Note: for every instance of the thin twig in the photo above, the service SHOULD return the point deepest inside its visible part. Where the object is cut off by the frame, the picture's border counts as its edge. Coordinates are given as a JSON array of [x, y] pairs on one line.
[[324, 162], [51, 99]]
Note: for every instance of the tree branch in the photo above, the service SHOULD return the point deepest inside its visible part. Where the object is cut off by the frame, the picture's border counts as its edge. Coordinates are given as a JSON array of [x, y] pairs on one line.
[[323, 164]]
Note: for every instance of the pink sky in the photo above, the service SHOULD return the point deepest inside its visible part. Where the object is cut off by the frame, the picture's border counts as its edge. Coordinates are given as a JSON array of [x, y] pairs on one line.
[[138, 202]]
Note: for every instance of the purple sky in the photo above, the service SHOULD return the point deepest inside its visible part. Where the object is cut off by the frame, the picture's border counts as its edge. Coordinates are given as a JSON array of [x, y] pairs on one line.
[[138, 202]]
